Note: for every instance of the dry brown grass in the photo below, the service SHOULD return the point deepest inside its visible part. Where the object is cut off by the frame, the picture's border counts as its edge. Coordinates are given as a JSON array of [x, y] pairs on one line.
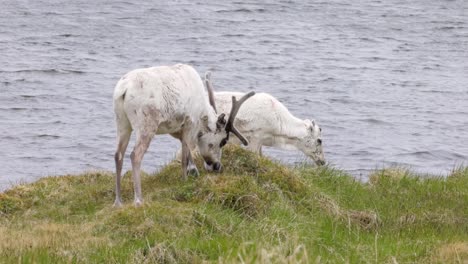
[[392, 173], [451, 253], [285, 253], [367, 220], [163, 253], [67, 240]]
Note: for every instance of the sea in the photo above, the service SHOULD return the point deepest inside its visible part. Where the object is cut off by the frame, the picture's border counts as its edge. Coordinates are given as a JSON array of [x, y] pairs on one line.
[[387, 80]]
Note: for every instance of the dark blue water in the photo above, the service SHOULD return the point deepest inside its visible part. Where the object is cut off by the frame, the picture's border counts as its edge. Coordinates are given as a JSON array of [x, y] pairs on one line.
[[387, 80]]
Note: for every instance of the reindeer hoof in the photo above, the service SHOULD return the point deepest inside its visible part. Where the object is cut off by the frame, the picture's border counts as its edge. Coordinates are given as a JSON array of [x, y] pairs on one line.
[[193, 172], [117, 204], [138, 203]]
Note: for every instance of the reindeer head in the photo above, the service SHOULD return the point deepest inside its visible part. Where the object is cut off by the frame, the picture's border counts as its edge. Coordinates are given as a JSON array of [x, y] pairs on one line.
[[213, 137], [311, 143]]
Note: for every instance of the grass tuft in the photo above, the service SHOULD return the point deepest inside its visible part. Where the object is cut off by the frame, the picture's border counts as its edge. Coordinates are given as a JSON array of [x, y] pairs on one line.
[[255, 211], [162, 253]]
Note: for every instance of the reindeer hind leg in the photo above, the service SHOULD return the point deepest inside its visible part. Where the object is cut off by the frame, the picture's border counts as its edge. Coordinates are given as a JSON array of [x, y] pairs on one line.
[[148, 121], [124, 132], [141, 145]]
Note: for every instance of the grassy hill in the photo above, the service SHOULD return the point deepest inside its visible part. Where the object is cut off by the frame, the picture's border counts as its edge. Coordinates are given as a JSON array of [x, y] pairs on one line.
[[255, 211]]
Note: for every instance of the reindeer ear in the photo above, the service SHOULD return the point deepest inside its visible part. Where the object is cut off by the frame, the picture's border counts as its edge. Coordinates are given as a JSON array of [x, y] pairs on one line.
[[310, 124]]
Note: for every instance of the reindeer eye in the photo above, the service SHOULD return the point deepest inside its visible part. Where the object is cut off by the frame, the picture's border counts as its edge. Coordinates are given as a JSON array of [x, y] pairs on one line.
[[319, 141], [210, 145], [200, 134]]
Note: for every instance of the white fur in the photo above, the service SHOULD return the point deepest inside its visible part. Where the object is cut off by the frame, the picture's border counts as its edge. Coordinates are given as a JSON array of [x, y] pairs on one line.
[[163, 100], [176, 91], [265, 121]]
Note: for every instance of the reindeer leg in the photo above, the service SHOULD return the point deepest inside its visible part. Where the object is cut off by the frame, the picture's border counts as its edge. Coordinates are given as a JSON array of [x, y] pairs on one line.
[[185, 155], [188, 165], [178, 155], [123, 138], [142, 143], [191, 168], [256, 147]]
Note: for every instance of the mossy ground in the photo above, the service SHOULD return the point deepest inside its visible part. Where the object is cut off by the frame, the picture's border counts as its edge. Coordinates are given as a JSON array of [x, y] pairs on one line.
[[256, 211]]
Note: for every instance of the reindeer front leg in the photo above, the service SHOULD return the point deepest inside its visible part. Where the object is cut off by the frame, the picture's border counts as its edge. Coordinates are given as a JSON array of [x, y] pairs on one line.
[[188, 166]]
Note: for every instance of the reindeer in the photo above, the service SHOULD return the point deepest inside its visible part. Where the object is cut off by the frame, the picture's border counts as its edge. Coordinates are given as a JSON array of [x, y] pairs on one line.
[[169, 100], [264, 121]]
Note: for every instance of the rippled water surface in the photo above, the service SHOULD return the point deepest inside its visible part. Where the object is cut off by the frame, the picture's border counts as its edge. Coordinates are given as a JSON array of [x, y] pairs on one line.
[[387, 80]]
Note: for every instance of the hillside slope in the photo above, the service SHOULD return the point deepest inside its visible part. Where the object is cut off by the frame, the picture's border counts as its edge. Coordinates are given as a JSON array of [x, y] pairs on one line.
[[255, 211]]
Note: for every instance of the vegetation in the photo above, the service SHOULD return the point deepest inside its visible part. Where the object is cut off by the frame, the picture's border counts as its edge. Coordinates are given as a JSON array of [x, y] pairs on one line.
[[256, 211]]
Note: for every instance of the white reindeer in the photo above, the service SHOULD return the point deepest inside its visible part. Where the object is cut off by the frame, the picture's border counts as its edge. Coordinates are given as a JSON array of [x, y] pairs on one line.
[[169, 100], [264, 121]]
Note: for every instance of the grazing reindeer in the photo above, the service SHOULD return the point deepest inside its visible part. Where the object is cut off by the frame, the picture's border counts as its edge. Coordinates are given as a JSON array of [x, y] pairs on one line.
[[264, 121], [169, 100]]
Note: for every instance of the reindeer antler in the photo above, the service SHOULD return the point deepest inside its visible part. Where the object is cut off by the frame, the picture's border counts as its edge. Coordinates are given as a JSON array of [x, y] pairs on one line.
[[235, 108], [209, 88]]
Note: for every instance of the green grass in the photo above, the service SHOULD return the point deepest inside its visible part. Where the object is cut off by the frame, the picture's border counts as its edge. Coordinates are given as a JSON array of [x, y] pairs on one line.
[[256, 211]]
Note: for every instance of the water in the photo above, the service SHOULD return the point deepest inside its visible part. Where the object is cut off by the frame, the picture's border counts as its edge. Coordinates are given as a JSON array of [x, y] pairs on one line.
[[387, 80]]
